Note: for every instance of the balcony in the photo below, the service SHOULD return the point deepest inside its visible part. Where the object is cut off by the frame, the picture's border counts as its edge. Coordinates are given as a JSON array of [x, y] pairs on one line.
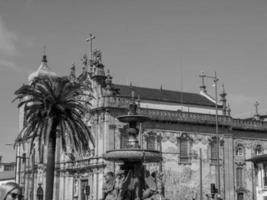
[[80, 165]]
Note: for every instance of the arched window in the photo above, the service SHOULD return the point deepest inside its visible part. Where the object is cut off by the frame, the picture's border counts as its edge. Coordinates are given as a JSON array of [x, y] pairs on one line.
[[184, 143], [150, 141], [258, 150], [240, 196], [239, 151], [40, 193], [213, 149]]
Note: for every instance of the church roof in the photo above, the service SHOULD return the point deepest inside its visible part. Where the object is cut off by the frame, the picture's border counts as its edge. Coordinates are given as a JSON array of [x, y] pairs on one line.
[[164, 95]]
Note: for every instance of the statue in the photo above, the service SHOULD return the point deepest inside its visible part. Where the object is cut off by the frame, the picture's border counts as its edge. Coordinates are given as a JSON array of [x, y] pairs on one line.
[[116, 188], [109, 192], [84, 60], [128, 187], [97, 55], [151, 188], [122, 184], [134, 187]]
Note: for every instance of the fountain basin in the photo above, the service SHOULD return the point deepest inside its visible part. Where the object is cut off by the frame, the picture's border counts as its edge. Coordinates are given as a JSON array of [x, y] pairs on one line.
[[133, 155]]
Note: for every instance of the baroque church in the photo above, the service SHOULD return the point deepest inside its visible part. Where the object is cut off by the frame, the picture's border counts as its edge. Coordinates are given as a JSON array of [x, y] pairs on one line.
[[183, 126]]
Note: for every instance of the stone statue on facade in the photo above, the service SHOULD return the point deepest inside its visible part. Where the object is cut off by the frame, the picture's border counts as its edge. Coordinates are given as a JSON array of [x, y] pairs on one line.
[[97, 56]]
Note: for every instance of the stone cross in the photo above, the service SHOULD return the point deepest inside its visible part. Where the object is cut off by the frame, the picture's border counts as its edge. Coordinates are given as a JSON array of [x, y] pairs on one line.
[[90, 39], [203, 76]]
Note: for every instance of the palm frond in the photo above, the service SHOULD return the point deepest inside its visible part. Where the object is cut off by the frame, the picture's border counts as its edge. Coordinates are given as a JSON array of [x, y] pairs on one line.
[[46, 99]]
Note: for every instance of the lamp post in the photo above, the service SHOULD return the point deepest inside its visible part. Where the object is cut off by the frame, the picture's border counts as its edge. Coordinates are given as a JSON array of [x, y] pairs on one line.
[[215, 80]]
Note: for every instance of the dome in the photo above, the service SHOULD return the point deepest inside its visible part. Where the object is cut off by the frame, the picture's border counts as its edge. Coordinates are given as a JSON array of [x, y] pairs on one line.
[[42, 71]]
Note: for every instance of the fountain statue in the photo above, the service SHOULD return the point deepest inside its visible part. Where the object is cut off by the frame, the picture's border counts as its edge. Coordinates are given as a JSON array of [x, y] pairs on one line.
[[132, 181]]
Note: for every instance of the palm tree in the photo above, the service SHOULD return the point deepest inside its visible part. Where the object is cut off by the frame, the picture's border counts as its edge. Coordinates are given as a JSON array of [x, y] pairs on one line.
[[54, 107]]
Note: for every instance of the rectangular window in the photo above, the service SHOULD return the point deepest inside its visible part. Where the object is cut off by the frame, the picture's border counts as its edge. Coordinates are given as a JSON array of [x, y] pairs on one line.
[[84, 183], [239, 177], [214, 151], [124, 141], [184, 151], [151, 143]]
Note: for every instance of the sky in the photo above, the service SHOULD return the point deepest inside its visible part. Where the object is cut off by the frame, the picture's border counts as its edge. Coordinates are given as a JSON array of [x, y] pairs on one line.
[[147, 42]]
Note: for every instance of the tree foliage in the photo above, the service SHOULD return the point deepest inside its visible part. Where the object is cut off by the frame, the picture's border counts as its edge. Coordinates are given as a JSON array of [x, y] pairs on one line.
[[47, 99], [54, 108]]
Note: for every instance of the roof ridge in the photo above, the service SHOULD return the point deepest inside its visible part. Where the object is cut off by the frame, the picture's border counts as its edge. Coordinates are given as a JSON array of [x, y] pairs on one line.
[[150, 88]]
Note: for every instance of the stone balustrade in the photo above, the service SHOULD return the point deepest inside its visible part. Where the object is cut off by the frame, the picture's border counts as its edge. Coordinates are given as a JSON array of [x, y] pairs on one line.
[[79, 164], [186, 117]]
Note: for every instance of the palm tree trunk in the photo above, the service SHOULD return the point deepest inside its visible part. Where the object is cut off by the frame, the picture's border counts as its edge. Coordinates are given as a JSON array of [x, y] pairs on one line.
[[50, 167]]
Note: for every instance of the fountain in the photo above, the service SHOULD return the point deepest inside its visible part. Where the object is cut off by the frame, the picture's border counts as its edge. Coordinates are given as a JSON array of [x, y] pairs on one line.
[[131, 184]]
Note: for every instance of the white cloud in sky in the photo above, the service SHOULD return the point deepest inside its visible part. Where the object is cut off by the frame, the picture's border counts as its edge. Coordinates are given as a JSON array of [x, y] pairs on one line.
[[12, 66], [5, 64], [8, 40]]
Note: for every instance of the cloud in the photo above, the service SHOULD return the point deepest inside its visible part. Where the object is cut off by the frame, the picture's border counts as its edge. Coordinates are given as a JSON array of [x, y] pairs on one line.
[[11, 66], [5, 64], [8, 40]]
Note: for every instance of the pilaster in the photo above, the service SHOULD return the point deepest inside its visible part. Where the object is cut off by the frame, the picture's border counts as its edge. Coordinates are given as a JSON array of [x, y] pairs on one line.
[[229, 167]]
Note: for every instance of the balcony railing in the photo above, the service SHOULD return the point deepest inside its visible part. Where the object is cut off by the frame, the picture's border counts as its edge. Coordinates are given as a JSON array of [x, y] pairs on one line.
[[82, 164]]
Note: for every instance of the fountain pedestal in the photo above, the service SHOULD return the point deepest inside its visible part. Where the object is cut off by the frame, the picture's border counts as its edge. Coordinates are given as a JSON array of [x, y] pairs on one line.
[[132, 157]]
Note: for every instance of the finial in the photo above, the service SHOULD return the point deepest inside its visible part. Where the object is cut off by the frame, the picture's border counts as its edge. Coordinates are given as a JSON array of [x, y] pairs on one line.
[[256, 108], [97, 56], [108, 79], [84, 60], [223, 90], [138, 101], [109, 83], [44, 59], [223, 94], [228, 110], [203, 86], [223, 100], [132, 95], [72, 70]]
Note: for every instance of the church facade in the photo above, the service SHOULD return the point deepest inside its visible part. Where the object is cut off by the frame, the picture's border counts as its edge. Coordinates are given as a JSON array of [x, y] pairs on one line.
[[182, 127]]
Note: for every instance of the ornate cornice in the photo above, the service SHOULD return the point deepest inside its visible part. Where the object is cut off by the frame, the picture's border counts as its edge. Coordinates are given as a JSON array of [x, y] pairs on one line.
[[185, 117]]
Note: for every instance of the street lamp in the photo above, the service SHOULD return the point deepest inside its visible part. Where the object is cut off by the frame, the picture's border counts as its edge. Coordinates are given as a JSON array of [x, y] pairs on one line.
[[215, 80]]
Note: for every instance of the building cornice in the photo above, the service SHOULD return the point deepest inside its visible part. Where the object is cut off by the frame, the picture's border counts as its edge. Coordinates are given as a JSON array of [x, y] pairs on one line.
[[186, 117]]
